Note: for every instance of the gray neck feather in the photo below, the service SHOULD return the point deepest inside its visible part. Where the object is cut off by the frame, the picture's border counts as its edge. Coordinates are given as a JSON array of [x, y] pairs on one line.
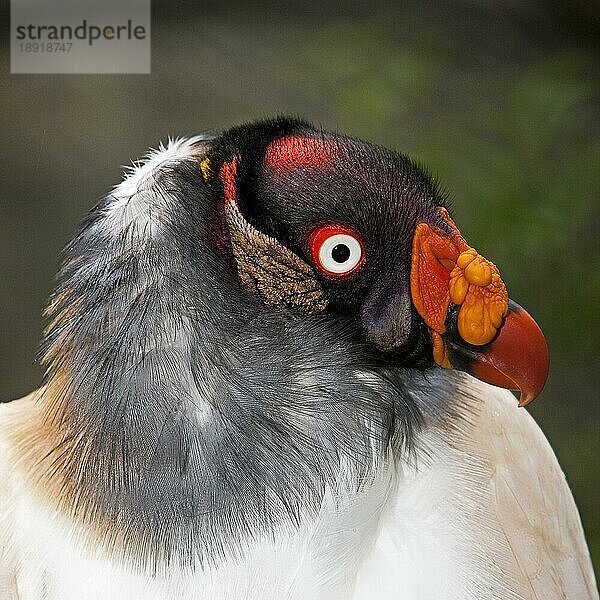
[[202, 418]]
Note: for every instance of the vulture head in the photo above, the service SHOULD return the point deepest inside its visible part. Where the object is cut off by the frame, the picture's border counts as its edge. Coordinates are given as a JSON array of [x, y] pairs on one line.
[[314, 222], [246, 317]]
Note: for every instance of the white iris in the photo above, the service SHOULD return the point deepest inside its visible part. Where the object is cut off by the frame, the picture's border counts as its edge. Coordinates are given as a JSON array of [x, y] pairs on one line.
[[340, 253]]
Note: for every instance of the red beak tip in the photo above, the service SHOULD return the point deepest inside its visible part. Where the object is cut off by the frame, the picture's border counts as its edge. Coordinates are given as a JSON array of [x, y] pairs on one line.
[[525, 399], [517, 359]]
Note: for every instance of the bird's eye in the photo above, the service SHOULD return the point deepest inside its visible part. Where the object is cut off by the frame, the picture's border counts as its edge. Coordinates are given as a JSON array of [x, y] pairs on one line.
[[337, 251]]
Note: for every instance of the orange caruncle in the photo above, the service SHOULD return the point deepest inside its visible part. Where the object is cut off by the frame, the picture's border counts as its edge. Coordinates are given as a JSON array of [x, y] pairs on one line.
[[445, 269]]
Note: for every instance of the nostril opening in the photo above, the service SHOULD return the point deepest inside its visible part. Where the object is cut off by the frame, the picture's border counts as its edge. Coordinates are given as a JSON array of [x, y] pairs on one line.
[[446, 263]]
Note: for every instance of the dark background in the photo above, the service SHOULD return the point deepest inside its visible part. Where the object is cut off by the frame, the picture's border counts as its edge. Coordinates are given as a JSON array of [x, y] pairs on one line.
[[498, 98]]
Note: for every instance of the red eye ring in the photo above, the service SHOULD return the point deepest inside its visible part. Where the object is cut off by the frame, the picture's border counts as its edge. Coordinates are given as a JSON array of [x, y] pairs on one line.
[[336, 250]]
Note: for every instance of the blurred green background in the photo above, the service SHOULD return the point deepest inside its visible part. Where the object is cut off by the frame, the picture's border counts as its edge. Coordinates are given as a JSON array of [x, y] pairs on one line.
[[498, 98]]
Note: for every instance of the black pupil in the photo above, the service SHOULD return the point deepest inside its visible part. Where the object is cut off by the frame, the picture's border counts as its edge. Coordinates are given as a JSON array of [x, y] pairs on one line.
[[340, 253]]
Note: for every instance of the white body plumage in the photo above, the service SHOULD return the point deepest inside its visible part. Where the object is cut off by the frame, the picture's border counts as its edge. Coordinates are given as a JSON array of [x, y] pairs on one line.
[[483, 511]]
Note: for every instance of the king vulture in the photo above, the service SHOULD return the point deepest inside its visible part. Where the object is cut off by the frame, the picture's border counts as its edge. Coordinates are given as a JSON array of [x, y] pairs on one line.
[[274, 371]]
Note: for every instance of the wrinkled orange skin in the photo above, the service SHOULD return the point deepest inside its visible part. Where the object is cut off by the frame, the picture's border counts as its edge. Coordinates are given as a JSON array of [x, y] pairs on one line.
[[446, 269]]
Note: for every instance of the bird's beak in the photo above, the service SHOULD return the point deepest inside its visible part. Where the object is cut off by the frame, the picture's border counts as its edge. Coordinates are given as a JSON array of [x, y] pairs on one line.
[[474, 326], [516, 359]]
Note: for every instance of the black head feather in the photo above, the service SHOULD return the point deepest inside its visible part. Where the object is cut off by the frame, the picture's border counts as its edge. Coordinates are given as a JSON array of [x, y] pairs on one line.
[[292, 178]]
